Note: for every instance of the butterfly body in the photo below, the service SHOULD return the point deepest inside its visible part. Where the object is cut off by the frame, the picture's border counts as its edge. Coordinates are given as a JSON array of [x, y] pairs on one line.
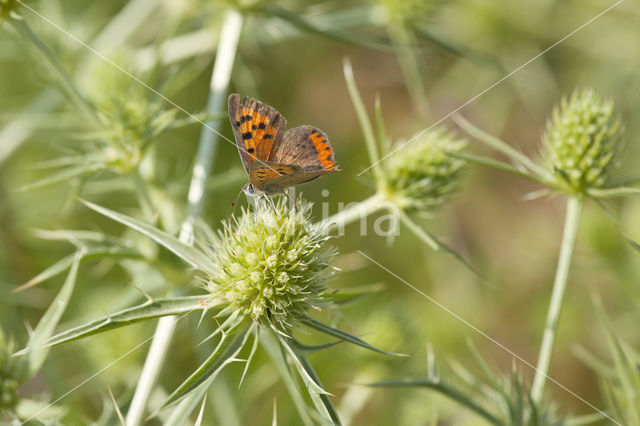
[[275, 159]]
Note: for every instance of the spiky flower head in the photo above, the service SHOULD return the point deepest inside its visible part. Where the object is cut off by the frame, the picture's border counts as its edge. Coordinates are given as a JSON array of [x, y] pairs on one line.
[[131, 119], [426, 172], [582, 142], [271, 264], [12, 374]]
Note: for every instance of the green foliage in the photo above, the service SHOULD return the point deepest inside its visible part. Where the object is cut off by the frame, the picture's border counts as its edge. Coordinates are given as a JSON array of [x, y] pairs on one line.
[[249, 299]]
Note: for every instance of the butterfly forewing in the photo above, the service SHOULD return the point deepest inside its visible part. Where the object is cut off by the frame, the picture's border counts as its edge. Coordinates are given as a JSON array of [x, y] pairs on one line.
[[257, 128]]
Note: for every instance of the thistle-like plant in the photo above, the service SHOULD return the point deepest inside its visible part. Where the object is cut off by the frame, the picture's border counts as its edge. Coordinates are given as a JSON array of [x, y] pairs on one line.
[[407, 181], [263, 275], [498, 400], [619, 377], [579, 155]]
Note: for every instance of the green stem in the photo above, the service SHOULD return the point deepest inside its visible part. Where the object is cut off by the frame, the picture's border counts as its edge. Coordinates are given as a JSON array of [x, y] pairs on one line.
[[572, 218], [25, 30], [356, 211], [229, 36]]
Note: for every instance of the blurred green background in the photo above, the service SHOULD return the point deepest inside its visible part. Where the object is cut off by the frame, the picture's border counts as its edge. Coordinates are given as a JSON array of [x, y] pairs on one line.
[[424, 59]]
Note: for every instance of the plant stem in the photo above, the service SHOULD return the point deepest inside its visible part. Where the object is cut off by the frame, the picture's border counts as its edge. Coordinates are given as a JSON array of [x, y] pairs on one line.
[[229, 36], [356, 211], [25, 30], [572, 218]]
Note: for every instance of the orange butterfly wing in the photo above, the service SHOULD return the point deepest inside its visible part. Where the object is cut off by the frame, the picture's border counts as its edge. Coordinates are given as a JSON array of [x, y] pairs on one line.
[[257, 128]]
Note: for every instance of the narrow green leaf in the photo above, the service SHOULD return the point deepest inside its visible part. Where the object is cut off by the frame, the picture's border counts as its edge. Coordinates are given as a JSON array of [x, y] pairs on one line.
[[270, 345], [594, 363], [385, 144], [36, 347], [51, 271], [348, 295], [444, 389], [315, 348], [344, 336], [65, 262], [189, 254], [230, 344], [432, 242], [459, 50], [319, 396], [499, 165], [81, 235], [625, 369], [500, 146], [201, 413], [304, 25], [148, 310], [365, 122], [180, 414], [63, 175]]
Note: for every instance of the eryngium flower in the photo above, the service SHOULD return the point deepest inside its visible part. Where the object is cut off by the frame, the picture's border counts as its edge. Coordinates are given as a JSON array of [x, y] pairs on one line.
[[424, 173], [271, 264], [12, 374], [582, 142]]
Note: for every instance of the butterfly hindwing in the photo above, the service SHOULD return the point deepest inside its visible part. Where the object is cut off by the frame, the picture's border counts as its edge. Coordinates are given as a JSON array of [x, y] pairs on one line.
[[257, 128], [307, 147]]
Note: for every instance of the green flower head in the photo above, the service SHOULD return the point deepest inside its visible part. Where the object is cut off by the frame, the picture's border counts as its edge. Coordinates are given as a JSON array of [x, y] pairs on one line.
[[271, 264], [12, 374], [423, 175], [582, 142]]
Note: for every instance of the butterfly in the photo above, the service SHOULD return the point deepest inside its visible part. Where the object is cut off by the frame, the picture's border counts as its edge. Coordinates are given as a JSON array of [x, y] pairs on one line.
[[275, 159]]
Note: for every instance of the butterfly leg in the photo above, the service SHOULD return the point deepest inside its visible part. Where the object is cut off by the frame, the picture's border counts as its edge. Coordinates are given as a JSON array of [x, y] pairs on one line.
[[292, 203], [270, 201]]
